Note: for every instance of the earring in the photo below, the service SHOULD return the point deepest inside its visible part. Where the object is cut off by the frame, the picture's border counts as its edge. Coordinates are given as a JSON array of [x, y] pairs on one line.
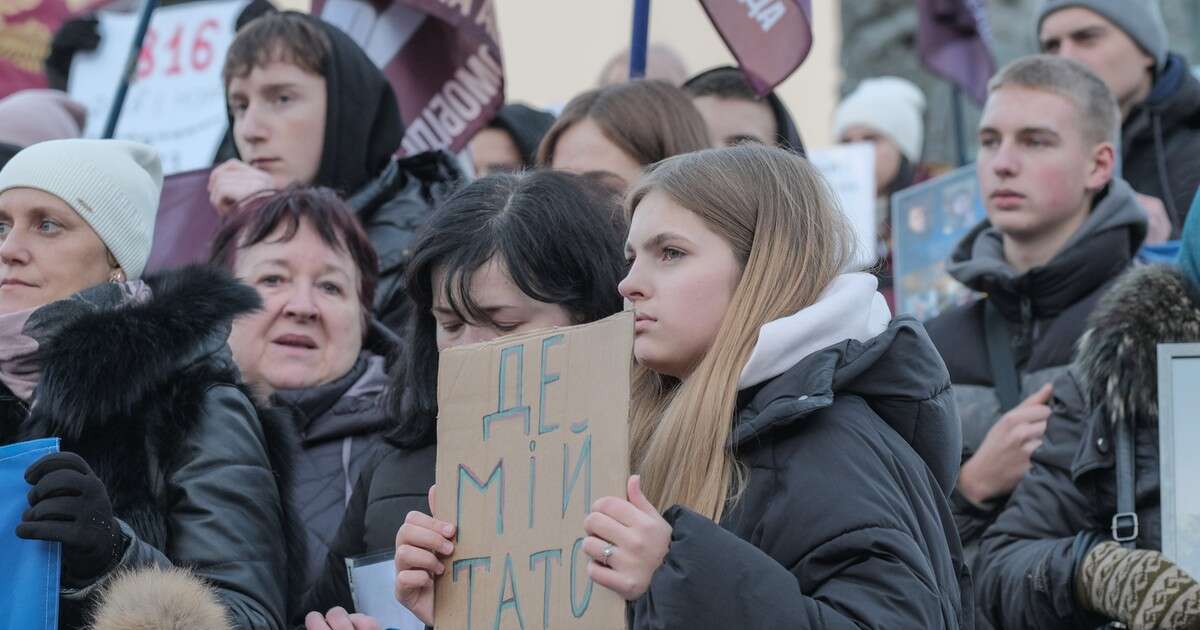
[[117, 276]]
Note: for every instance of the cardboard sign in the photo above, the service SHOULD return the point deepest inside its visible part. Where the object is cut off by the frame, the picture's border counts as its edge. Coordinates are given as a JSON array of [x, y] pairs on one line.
[[928, 222], [373, 586], [1179, 438], [850, 171], [531, 430], [29, 582], [176, 102]]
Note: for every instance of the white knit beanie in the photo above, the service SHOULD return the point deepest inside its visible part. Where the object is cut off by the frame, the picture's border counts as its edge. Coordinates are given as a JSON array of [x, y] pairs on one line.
[[114, 185], [890, 105]]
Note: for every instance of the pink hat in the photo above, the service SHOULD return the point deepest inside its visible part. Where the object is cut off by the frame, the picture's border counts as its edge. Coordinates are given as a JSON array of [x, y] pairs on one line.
[[32, 116]]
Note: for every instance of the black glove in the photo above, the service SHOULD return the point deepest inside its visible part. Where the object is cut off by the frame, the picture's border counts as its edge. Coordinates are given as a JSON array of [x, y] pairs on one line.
[[73, 36], [68, 504]]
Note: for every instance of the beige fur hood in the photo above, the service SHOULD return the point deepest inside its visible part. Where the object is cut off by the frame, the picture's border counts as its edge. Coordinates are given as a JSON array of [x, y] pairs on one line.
[[160, 599]]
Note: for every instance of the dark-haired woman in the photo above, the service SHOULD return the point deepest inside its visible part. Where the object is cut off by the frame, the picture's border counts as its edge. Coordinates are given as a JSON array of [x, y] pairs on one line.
[[314, 349], [507, 254]]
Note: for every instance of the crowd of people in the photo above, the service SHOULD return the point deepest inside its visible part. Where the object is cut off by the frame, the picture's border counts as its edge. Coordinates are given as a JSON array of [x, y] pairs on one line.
[[233, 432]]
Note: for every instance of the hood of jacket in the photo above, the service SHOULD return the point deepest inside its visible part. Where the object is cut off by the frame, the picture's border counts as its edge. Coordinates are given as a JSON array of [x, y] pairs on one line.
[[1118, 354], [363, 128], [787, 133], [526, 126], [898, 373], [1174, 98], [166, 599], [1098, 251], [186, 322], [347, 406]]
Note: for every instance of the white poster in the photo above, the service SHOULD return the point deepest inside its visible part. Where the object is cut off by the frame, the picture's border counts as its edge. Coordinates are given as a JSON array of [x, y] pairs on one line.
[[373, 583], [1179, 438], [176, 102], [850, 171]]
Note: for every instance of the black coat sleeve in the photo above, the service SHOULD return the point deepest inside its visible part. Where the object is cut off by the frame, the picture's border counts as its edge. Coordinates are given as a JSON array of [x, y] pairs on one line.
[[1026, 566], [713, 579]]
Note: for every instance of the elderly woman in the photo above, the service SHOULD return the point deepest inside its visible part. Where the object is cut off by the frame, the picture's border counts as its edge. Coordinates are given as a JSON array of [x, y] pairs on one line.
[[165, 460], [312, 348]]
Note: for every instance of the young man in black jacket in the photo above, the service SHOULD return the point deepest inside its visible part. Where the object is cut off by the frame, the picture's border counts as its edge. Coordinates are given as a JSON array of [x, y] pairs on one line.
[[1125, 43], [1060, 228], [307, 106]]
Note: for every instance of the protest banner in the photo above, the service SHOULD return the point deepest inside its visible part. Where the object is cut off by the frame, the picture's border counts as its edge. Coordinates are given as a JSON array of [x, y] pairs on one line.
[[176, 102], [928, 221], [769, 38], [442, 59], [26, 29], [373, 587], [850, 171], [29, 582], [953, 39], [531, 430], [1179, 440], [186, 222]]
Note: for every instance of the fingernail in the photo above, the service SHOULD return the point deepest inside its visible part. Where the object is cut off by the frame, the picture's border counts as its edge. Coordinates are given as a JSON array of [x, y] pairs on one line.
[[441, 569], [448, 530], [447, 548]]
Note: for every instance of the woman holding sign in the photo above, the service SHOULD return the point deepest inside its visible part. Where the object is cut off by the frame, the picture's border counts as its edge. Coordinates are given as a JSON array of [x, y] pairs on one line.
[[165, 461], [801, 445], [506, 254]]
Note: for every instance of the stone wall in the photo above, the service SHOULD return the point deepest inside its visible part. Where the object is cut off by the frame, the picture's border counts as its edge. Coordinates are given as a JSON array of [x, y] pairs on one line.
[[879, 37]]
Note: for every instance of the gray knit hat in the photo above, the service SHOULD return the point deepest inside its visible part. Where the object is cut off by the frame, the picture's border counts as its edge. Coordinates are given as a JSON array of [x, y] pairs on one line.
[[114, 185], [1141, 20]]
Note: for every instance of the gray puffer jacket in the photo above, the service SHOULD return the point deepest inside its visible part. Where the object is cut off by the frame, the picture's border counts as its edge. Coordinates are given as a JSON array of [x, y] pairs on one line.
[[340, 424]]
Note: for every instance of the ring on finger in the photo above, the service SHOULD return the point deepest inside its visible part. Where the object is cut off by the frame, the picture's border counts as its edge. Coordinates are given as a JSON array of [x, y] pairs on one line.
[[607, 553]]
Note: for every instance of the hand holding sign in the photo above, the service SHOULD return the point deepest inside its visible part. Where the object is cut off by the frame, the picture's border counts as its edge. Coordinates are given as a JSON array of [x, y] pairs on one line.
[[627, 541], [420, 543]]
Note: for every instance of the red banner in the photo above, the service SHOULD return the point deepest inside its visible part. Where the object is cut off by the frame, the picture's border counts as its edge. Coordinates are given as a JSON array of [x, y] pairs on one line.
[[442, 58], [952, 38], [769, 38], [26, 29], [186, 222]]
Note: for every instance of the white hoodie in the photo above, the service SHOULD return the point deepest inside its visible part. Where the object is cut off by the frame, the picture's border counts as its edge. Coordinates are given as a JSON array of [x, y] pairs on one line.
[[849, 308]]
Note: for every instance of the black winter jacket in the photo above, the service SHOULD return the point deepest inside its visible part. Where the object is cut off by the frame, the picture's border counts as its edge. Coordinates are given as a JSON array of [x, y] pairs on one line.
[[1045, 307], [850, 455], [148, 395], [1028, 559], [1160, 142]]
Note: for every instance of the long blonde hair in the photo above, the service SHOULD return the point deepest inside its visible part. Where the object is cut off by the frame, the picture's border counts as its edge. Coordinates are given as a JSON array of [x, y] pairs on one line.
[[785, 227]]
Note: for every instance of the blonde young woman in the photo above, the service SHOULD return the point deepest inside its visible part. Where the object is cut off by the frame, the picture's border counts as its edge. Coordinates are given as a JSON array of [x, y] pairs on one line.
[[801, 445]]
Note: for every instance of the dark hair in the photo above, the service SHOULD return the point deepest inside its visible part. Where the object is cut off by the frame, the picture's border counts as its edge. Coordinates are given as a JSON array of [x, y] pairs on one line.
[[649, 120], [559, 239], [288, 36], [259, 217], [722, 83]]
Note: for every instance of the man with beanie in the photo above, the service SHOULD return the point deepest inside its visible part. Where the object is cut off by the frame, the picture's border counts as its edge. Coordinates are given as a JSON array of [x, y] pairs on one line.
[[888, 113], [165, 461], [1125, 43], [735, 113], [308, 106], [1060, 228], [510, 141]]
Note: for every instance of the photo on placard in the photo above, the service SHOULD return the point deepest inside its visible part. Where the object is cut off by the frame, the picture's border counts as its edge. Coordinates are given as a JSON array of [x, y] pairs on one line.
[[1179, 440], [928, 222]]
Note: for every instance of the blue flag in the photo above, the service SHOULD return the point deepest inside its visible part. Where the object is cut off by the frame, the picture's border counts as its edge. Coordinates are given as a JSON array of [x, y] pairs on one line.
[[29, 581]]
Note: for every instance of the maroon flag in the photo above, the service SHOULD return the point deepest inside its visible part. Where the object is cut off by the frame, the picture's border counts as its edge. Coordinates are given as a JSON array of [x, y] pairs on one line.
[[186, 222], [442, 59], [26, 29], [953, 38], [769, 38]]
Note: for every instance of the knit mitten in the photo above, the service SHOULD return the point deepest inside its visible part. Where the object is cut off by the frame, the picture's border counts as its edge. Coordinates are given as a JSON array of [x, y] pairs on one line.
[[1137, 587]]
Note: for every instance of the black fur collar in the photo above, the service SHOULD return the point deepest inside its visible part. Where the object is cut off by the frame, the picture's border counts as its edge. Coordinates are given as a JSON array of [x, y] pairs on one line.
[[1118, 355], [105, 364]]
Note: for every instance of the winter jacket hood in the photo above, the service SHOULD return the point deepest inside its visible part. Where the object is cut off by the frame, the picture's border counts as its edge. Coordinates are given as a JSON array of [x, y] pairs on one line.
[[1099, 249], [526, 126], [898, 373], [1117, 355], [164, 599], [849, 308], [787, 133], [363, 128]]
